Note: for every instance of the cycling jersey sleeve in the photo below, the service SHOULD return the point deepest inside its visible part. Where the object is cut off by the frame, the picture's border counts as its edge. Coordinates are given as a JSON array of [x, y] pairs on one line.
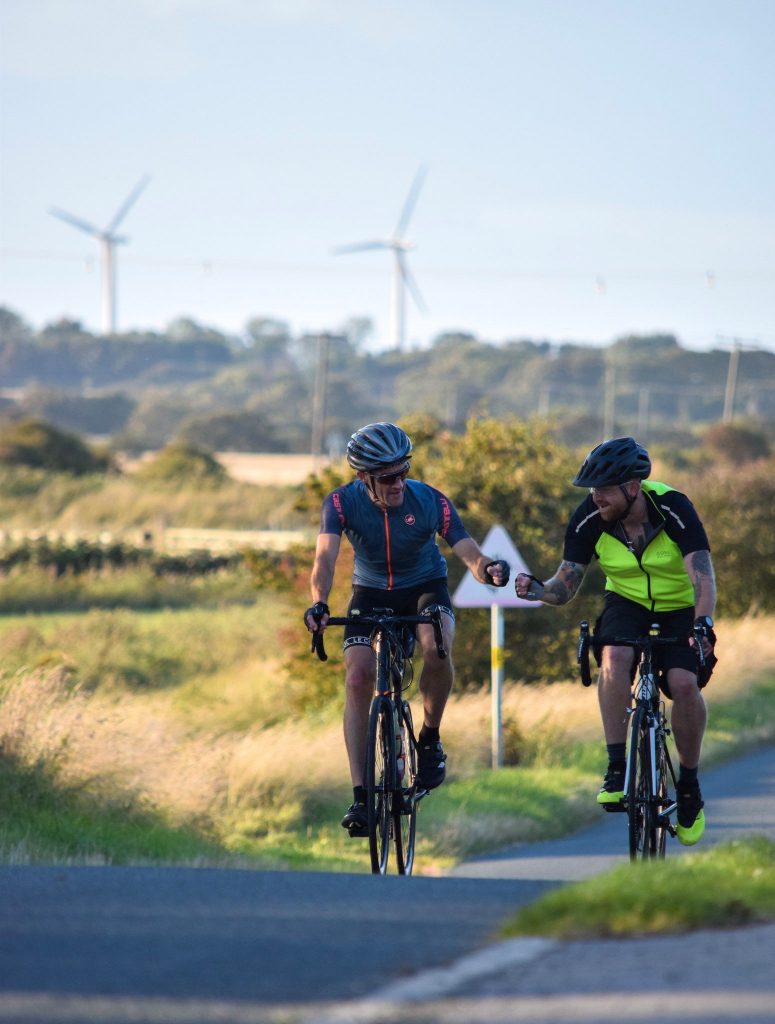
[[581, 533], [450, 524], [332, 517], [682, 523]]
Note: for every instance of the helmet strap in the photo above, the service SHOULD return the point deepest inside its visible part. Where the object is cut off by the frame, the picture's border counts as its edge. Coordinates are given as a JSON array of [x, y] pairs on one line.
[[629, 498], [369, 482]]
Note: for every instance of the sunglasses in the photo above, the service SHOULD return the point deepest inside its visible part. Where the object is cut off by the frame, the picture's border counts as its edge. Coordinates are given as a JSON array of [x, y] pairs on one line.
[[392, 478]]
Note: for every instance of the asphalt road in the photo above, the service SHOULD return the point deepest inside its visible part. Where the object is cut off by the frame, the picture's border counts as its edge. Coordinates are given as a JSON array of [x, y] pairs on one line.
[[124, 945]]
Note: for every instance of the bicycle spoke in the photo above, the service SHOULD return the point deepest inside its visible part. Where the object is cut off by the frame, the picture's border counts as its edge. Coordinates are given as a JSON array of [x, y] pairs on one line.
[[380, 767], [404, 803], [638, 786]]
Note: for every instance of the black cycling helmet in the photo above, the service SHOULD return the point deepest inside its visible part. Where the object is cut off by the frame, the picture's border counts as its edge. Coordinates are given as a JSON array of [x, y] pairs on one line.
[[614, 462], [376, 446]]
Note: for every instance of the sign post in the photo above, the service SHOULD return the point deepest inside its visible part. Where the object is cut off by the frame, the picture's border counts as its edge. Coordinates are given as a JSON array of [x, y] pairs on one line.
[[473, 594]]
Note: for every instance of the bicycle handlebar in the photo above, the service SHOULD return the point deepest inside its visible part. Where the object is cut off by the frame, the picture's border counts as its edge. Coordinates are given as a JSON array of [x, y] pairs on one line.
[[642, 643], [377, 620]]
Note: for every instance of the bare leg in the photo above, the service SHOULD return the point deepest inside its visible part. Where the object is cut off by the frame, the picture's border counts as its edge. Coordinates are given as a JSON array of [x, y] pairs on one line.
[[614, 692], [437, 673], [688, 716], [358, 690]]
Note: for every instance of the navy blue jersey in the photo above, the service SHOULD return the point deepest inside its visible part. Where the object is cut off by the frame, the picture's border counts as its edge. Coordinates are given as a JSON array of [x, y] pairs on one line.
[[396, 547]]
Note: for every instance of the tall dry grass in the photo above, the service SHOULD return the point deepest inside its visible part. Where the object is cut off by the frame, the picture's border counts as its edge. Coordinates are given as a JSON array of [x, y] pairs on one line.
[[197, 768]]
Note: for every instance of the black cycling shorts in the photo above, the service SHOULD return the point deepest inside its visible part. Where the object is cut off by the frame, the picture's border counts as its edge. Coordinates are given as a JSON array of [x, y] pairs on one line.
[[623, 618], [405, 601]]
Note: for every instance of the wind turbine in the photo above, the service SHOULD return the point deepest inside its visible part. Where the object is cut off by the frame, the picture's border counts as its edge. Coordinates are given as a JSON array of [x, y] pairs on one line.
[[106, 239], [402, 277]]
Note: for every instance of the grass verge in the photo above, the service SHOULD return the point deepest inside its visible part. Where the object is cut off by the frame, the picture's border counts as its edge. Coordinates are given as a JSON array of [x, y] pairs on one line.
[[46, 821], [731, 885]]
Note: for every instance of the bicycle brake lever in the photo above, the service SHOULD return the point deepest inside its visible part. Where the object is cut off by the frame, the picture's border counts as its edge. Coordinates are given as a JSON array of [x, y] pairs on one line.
[[437, 633], [317, 646], [699, 636]]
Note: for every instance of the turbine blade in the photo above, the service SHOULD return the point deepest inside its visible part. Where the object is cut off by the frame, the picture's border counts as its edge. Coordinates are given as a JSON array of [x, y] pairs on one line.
[[128, 204], [76, 222], [411, 199], [361, 246], [411, 284]]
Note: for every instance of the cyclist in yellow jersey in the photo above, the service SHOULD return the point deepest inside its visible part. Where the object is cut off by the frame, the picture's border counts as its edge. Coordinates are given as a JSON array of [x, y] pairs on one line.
[[655, 554]]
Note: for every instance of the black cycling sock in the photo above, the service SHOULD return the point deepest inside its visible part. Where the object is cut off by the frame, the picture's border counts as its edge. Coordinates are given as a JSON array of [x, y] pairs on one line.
[[428, 735], [359, 792], [616, 754], [687, 776]]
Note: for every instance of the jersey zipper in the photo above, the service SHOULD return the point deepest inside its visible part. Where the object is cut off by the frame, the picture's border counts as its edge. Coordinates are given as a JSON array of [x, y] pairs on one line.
[[657, 530], [387, 553]]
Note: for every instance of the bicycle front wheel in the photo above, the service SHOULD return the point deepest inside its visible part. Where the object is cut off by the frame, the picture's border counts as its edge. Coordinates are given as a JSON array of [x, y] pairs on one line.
[[640, 805], [380, 774], [404, 805], [663, 801]]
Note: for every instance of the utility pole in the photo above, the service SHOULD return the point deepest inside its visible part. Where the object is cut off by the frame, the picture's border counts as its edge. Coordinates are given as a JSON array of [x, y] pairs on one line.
[[729, 392], [738, 345], [319, 400], [609, 401], [643, 413]]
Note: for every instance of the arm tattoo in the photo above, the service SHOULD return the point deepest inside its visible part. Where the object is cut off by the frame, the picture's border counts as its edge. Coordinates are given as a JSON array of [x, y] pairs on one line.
[[566, 581], [701, 563], [701, 573]]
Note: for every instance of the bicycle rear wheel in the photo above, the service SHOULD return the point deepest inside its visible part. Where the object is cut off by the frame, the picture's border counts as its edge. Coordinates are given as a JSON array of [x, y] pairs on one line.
[[640, 807], [404, 805], [380, 774]]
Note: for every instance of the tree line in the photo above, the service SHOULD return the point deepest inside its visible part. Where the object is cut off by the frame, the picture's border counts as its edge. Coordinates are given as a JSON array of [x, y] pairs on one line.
[[262, 389]]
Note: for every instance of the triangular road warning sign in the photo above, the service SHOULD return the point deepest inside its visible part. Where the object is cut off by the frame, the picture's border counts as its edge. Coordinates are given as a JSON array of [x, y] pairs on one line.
[[473, 594]]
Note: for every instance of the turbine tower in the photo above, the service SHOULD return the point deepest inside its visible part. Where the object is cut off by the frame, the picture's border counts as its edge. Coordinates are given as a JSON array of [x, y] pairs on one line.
[[106, 239], [402, 279]]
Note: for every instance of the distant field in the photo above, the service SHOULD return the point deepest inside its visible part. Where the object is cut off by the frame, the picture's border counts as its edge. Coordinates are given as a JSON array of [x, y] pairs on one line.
[[252, 468]]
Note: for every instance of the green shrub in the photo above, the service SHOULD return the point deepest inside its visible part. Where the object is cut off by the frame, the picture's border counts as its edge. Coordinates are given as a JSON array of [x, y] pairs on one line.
[[736, 504], [736, 444], [181, 462], [32, 442]]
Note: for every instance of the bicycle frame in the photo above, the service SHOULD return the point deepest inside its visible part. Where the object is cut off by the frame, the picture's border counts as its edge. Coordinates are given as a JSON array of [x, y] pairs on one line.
[[649, 774], [391, 746]]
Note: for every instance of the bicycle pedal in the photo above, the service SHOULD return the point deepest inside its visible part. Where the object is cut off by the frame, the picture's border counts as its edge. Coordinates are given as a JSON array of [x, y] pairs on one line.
[[358, 833], [614, 808]]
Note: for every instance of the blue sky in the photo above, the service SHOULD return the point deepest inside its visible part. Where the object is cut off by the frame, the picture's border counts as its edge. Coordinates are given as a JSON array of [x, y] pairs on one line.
[[595, 167]]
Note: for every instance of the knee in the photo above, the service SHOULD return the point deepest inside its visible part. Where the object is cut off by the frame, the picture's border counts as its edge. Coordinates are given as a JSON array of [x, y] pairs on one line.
[[437, 669], [616, 666], [359, 679], [683, 687]]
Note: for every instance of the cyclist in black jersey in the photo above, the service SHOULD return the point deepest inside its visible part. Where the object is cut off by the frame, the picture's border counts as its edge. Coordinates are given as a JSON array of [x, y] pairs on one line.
[[655, 555], [392, 523]]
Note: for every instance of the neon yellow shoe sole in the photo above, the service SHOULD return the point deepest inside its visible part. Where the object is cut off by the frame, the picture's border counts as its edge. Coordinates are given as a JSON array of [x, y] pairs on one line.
[[693, 834], [605, 798]]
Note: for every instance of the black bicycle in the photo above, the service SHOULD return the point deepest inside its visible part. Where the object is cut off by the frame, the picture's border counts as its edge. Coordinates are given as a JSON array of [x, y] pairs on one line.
[[649, 783], [392, 792]]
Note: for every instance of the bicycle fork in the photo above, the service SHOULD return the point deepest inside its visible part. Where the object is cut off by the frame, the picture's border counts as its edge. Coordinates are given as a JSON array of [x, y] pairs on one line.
[[663, 817]]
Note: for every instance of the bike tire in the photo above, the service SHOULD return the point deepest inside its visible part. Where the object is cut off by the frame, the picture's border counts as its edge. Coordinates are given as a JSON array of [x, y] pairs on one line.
[[404, 803], [639, 796], [663, 801], [380, 776]]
